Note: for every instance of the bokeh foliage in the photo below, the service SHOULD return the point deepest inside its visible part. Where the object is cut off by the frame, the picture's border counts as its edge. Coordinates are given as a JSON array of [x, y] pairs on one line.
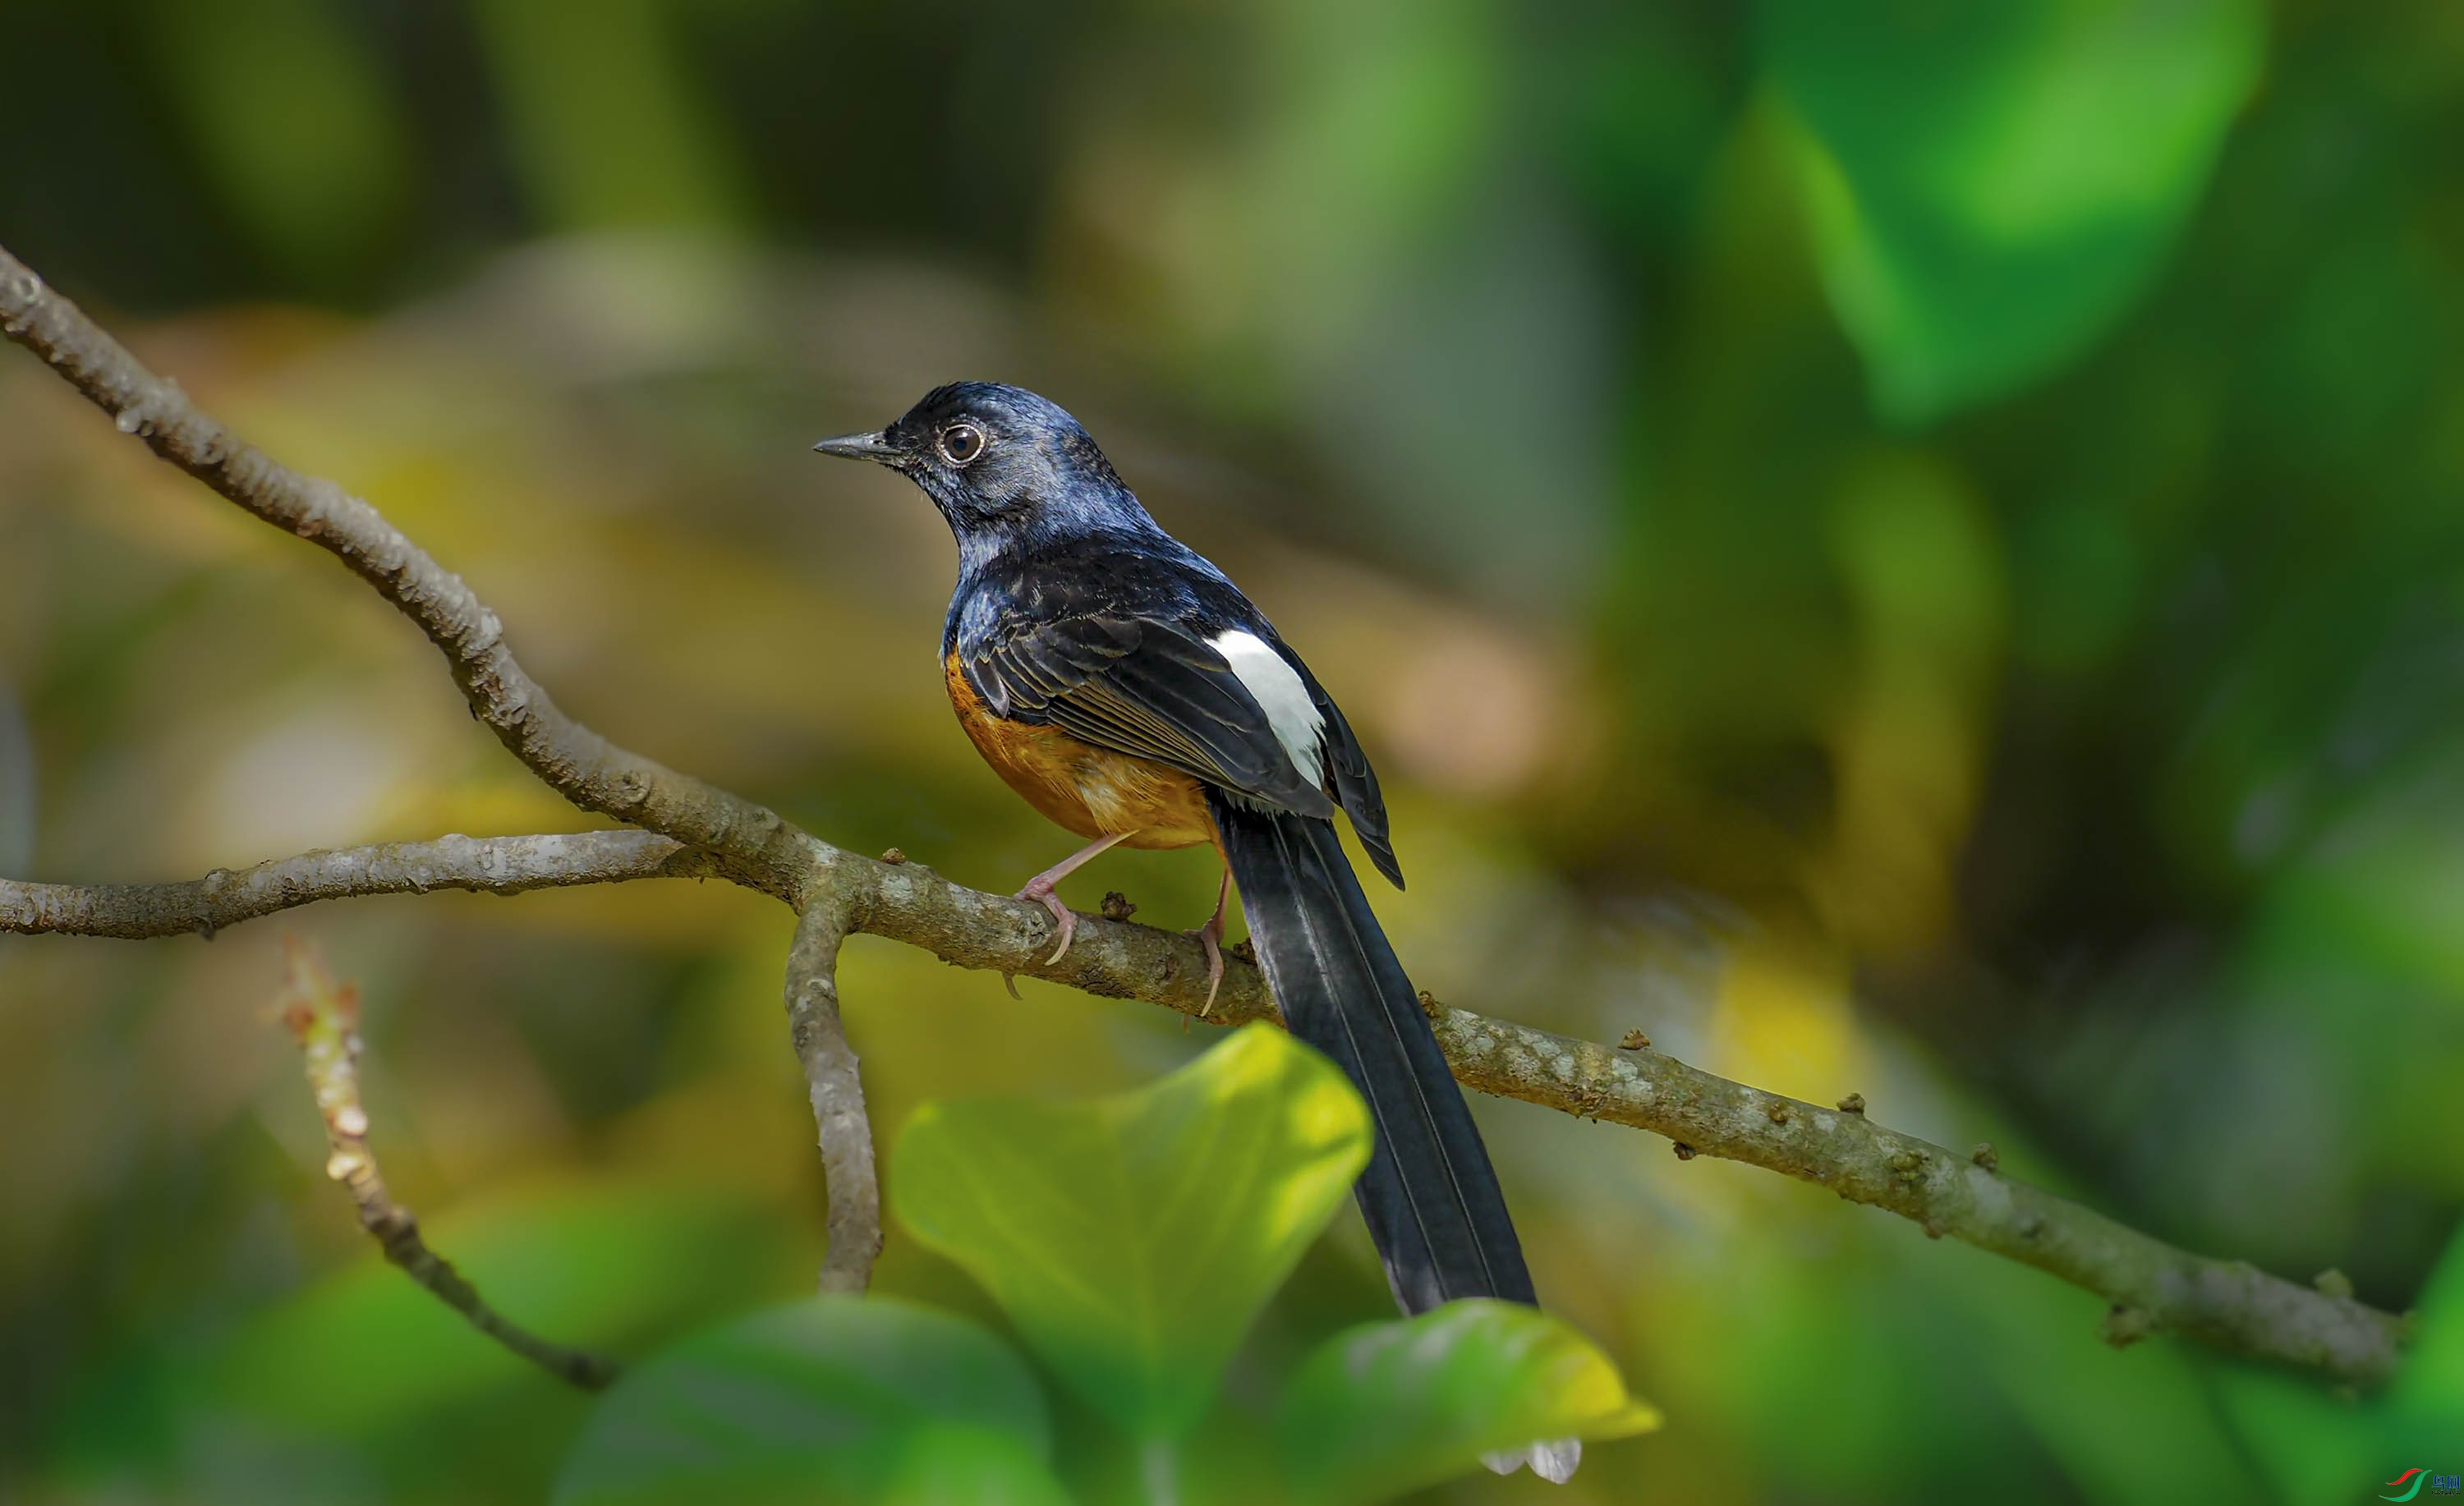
[[1068, 1215], [1900, 546]]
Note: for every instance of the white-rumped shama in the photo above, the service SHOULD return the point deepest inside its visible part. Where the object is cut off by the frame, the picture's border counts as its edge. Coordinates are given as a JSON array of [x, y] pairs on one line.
[[1126, 689]]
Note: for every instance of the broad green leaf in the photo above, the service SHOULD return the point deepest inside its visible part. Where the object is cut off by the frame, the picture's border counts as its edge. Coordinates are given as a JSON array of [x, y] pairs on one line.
[[1132, 1238], [831, 1399], [1991, 186], [1392, 1407]]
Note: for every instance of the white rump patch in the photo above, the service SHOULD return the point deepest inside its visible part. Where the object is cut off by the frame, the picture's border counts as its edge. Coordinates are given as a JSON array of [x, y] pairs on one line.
[[1279, 691]]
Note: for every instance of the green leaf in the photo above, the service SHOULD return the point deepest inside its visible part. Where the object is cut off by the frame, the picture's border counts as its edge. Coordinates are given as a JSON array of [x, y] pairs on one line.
[[1132, 1239], [2425, 1406], [831, 1399], [1991, 186], [1392, 1407]]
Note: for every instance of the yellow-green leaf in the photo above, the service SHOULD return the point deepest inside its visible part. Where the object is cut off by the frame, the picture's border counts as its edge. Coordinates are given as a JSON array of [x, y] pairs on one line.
[[1133, 1238], [1390, 1407]]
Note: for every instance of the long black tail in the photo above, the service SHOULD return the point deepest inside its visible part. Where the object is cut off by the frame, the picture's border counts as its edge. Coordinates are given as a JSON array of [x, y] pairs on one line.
[[1429, 1195]]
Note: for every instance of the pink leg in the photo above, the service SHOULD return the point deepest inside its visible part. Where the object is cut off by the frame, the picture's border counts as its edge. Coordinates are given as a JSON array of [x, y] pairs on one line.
[[1211, 936], [1040, 889]]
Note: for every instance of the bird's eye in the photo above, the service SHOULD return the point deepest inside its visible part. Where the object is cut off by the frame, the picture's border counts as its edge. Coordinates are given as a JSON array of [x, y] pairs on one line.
[[961, 443]]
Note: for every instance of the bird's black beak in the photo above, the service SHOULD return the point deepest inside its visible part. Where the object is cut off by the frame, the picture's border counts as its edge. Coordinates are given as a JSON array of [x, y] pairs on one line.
[[873, 446]]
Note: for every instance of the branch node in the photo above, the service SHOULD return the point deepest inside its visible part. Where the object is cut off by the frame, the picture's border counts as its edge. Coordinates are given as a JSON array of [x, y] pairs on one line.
[[1986, 1156], [2124, 1325], [1852, 1104]]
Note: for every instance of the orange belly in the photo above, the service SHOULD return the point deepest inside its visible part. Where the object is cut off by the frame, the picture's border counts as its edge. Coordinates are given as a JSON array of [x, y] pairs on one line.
[[1088, 791]]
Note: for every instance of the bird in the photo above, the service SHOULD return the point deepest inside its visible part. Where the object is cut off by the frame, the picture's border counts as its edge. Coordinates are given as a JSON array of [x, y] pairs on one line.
[[1123, 686]]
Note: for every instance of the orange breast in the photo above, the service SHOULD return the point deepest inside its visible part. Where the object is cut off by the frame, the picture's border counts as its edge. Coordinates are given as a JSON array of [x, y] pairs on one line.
[[1089, 791]]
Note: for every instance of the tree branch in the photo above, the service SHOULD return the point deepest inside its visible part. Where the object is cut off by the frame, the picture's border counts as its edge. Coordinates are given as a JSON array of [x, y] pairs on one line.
[[324, 1016], [755, 846], [2153, 1286], [2231, 1305], [838, 1096], [489, 865]]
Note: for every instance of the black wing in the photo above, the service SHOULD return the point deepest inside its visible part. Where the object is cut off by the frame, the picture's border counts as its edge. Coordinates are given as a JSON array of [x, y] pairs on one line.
[[1139, 685]]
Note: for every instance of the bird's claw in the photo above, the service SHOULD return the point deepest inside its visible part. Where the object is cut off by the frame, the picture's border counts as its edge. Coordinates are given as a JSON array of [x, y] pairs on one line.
[[1211, 936], [1065, 920]]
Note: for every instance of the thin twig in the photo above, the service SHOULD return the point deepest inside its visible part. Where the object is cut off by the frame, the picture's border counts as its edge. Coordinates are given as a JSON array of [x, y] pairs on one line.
[[837, 1093], [483, 864], [2151, 1285], [323, 1015]]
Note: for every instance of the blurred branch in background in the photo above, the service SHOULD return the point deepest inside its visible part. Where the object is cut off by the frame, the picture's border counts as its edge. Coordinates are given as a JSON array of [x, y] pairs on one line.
[[324, 1016], [2152, 1286]]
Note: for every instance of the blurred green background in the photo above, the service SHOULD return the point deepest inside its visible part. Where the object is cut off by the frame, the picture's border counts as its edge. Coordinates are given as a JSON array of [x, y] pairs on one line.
[[1909, 545]]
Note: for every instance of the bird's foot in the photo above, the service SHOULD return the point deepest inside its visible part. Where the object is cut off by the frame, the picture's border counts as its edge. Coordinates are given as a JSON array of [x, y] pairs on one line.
[[1065, 920], [1040, 889], [1211, 936]]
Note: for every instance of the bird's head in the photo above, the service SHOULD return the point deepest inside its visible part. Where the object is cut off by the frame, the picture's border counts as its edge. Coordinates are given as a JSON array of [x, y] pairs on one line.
[[996, 460]]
